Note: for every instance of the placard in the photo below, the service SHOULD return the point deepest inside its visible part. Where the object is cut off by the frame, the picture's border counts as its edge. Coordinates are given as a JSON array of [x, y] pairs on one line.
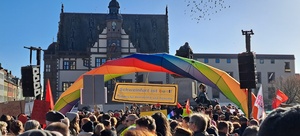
[[164, 94], [150, 113], [40, 108]]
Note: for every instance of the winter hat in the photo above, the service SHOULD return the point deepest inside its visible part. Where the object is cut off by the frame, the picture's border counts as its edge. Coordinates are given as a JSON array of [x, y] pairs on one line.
[[88, 127], [54, 116], [71, 115]]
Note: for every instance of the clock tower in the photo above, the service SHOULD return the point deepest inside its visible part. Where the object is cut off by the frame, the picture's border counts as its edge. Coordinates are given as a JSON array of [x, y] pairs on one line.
[[114, 22]]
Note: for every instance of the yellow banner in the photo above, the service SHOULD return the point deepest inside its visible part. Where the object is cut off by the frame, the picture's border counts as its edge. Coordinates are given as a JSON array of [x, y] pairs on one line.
[[164, 94], [150, 113]]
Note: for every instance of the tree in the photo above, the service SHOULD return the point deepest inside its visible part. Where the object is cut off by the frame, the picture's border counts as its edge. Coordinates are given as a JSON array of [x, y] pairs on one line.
[[290, 86]]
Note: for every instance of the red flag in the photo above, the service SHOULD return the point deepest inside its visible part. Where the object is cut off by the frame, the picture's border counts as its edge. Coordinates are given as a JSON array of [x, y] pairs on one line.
[[280, 98], [178, 105], [49, 97], [187, 107]]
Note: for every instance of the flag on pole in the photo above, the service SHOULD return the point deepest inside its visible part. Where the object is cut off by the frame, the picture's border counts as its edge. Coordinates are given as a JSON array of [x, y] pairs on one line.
[[171, 114], [258, 109], [178, 105], [49, 97], [279, 98], [187, 107]]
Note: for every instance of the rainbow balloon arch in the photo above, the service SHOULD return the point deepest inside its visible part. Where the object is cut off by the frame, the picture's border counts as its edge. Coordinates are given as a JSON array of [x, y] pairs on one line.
[[160, 62]]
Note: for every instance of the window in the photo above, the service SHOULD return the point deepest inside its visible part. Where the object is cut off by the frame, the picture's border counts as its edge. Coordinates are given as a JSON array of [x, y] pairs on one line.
[[215, 94], [69, 65], [86, 62], [230, 73], [258, 74], [261, 61], [48, 68], [205, 60], [287, 67], [271, 77], [217, 60], [228, 60], [99, 61], [66, 85], [272, 61]]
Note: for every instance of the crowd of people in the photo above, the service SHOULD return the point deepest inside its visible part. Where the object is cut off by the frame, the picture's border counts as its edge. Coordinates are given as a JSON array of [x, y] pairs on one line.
[[205, 120]]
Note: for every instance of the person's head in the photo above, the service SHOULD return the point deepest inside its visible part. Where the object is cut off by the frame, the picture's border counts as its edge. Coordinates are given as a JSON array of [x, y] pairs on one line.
[[162, 123], [253, 122], [130, 119], [251, 131], [113, 121], [230, 127], [84, 120], [281, 121], [138, 132], [66, 121], [72, 116], [105, 116], [217, 107], [3, 128], [216, 117], [198, 122], [107, 132], [31, 124], [38, 132], [93, 118], [123, 119], [74, 121], [16, 127], [88, 127], [99, 128], [107, 124], [185, 122], [202, 87], [223, 127], [7, 119], [173, 124], [243, 120], [59, 127], [179, 131], [53, 116], [146, 122]]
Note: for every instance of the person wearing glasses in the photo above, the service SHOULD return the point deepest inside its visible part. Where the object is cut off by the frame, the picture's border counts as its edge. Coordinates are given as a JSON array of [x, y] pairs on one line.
[[198, 124], [130, 123]]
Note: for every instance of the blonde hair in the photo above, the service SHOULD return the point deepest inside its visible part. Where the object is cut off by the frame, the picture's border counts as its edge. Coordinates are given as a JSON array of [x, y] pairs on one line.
[[2, 124], [99, 128], [139, 132]]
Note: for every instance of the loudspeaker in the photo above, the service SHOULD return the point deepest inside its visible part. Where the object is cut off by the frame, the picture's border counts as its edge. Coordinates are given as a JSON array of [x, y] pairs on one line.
[[31, 81], [247, 70]]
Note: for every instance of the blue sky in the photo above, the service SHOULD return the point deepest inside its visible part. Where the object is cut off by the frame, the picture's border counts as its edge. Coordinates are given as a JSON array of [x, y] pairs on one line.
[[276, 25]]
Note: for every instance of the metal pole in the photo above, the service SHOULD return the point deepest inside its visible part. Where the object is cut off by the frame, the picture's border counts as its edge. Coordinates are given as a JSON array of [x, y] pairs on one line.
[[248, 50], [249, 102]]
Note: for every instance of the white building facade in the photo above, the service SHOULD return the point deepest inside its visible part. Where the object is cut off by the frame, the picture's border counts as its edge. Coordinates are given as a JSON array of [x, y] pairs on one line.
[[269, 67]]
